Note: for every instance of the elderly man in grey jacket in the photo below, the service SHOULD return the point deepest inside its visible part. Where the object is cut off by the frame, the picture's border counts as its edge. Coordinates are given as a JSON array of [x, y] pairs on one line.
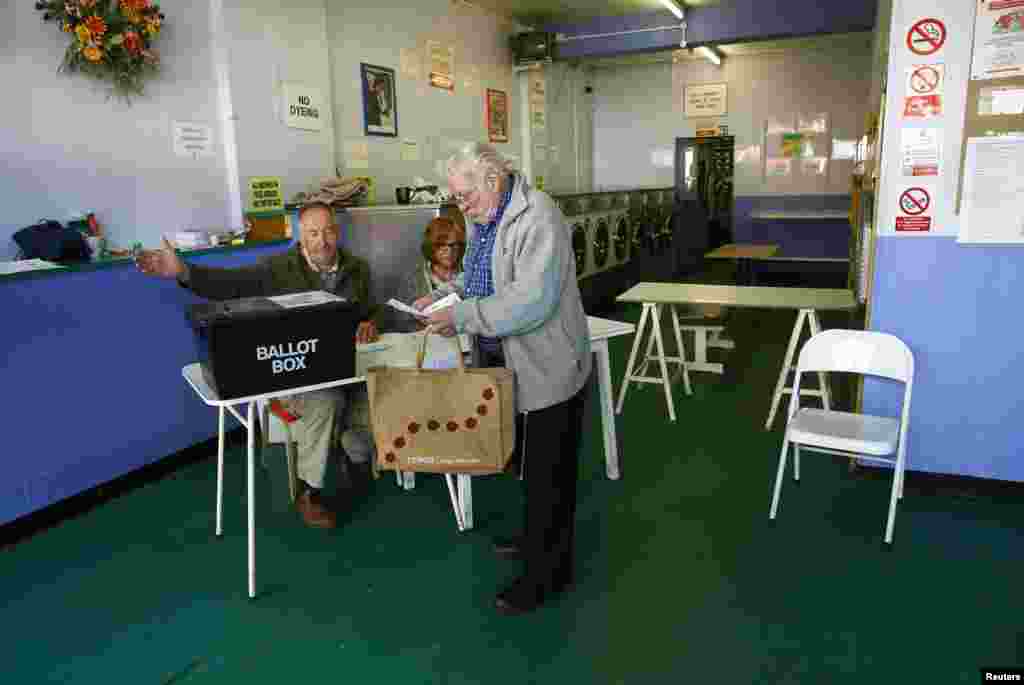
[[522, 305]]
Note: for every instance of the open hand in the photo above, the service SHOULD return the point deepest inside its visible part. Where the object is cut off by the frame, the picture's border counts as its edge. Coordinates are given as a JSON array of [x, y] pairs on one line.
[[162, 262]]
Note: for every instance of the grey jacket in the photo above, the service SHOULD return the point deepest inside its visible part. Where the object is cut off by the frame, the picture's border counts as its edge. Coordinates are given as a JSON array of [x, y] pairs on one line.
[[536, 308]]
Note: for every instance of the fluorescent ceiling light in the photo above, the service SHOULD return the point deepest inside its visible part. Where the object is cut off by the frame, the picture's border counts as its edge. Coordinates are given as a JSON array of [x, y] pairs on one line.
[[710, 54], [673, 8]]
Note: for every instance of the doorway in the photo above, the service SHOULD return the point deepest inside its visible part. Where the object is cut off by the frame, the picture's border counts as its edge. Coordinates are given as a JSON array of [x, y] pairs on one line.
[[704, 184]]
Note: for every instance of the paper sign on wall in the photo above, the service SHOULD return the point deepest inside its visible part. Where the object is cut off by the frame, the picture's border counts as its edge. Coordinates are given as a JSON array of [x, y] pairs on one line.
[[442, 65], [705, 100], [923, 91], [265, 194], [998, 39], [357, 154], [1000, 100], [921, 151], [914, 205], [303, 107], [409, 62], [192, 140]]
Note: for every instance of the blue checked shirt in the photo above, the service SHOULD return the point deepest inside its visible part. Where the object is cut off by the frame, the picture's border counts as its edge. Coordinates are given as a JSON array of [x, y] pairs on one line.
[[479, 279]]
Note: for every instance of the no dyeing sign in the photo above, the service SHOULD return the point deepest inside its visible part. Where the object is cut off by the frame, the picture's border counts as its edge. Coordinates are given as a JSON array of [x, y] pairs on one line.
[[303, 107]]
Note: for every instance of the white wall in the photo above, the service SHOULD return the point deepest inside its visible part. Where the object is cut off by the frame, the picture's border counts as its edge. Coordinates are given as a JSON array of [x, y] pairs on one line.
[[638, 111], [268, 46], [66, 148], [436, 119], [568, 164]]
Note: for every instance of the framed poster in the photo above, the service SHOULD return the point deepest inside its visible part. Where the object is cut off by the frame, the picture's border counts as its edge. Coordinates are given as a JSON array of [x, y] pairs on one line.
[[380, 113], [497, 116]]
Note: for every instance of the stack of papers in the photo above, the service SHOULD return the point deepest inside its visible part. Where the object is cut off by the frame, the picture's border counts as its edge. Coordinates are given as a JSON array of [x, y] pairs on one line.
[[23, 265], [190, 239]]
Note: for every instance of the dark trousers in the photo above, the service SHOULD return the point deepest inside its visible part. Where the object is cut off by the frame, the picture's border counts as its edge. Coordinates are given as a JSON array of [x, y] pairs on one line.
[[547, 447], [549, 441]]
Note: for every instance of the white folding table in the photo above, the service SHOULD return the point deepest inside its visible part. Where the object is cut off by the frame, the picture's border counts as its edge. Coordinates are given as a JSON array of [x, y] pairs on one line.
[[394, 349], [807, 302]]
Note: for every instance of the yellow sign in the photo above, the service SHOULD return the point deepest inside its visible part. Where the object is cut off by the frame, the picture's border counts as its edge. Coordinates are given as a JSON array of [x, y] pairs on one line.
[[540, 183], [265, 194], [707, 132]]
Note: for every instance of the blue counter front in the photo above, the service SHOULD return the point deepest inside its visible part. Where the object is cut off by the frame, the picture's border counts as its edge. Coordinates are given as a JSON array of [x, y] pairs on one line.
[[91, 374]]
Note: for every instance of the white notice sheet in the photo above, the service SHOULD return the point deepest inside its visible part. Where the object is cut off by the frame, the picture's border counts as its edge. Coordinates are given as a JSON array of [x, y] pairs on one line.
[[306, 299], [993, 195]]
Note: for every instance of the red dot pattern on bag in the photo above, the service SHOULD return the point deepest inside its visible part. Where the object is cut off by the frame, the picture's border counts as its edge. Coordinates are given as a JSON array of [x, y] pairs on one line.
[[433, 424]]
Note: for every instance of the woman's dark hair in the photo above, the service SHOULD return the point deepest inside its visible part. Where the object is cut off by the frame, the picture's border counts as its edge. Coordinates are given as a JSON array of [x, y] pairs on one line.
[[439, 230]]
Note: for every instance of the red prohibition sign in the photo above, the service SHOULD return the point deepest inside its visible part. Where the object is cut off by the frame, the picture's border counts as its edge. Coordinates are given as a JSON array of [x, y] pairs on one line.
[[926, 37], [915, 201], [925, 79]]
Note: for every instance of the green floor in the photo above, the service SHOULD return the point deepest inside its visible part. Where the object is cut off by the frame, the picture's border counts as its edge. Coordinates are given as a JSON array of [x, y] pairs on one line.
[[681, 577]]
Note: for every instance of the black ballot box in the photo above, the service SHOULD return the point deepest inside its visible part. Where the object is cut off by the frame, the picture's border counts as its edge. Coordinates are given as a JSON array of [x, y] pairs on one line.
[[257, 345]]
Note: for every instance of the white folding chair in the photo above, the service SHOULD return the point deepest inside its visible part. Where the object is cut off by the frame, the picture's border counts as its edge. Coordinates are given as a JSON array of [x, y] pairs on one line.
[[872, 438]]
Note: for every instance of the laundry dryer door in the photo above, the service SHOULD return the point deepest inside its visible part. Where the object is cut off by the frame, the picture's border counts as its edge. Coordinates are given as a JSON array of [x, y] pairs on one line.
[[579, 249], [602, 243], [620, 239]]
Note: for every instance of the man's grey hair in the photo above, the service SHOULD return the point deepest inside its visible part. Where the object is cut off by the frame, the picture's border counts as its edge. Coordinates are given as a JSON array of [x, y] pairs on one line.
[[477, 163]]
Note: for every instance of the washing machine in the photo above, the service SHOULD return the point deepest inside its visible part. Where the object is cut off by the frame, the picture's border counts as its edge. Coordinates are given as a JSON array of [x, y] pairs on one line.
[[621, 236], [580, 246]]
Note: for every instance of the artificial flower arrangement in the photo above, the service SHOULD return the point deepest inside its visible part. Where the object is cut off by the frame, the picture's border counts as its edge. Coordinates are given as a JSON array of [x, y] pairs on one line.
[[110, 39]]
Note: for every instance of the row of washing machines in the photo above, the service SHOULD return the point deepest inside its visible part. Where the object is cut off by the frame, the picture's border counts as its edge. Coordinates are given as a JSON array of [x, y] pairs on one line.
[[620, 238]]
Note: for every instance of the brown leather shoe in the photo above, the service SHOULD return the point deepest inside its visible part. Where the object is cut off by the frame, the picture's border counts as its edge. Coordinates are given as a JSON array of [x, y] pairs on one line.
[[314, 513]]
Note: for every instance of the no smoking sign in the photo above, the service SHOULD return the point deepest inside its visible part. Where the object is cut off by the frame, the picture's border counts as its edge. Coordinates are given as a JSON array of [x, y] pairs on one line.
[[914, 202], [924, 79], [923, 91], [926, 37]]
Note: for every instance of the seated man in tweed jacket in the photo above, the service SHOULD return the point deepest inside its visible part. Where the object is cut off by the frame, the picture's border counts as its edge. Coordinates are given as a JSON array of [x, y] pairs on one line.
[[316, 262]]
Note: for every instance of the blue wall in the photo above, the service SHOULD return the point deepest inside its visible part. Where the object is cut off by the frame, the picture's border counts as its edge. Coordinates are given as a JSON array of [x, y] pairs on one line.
[[958, 309], [795, 237], [91, 372]]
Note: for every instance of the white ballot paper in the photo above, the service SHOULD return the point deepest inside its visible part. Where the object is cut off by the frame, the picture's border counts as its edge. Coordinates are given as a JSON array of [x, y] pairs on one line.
[[446, 301]]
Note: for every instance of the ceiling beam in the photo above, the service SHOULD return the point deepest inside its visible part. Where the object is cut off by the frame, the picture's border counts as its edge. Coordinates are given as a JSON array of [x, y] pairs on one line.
[[737, 21]]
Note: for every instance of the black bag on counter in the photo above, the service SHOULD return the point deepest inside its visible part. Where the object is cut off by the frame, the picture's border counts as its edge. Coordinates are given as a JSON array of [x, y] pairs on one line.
[[50, 241]]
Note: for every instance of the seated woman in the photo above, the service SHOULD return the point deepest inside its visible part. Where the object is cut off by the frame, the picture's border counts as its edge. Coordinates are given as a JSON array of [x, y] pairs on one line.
[[444, 243]]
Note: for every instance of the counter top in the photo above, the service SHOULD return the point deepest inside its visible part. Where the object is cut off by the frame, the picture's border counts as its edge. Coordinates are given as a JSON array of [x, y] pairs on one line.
[[806, 215], [112, 262]]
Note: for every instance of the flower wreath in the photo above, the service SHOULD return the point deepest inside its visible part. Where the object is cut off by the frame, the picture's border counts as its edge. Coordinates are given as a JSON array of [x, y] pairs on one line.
[[110, 39]]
